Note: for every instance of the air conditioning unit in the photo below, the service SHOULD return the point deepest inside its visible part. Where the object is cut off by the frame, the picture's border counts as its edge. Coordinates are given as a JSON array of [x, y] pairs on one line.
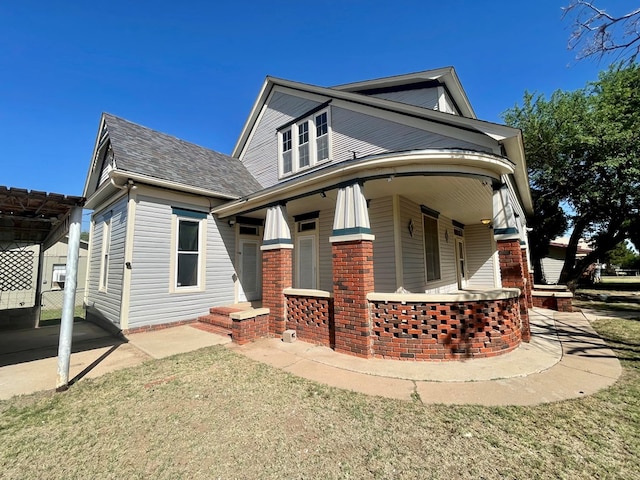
[[59, 276]]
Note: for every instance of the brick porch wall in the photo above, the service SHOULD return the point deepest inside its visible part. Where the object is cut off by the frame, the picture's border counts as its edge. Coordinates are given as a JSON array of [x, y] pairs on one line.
[[352, 280], [276, 276], [512, 273], [312, 319], [527, 277], [445, 331]]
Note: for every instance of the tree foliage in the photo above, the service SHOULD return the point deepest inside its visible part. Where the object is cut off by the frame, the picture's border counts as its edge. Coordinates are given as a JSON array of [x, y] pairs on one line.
[[583, 156], [622, 256], [597, 33]]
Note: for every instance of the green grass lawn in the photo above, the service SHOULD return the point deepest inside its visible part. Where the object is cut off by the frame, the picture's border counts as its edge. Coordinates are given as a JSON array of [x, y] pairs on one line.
[[53, 316], [216, 414]]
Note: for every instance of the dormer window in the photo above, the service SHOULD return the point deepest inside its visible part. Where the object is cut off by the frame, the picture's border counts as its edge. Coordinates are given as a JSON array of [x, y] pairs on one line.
[[304, 143]]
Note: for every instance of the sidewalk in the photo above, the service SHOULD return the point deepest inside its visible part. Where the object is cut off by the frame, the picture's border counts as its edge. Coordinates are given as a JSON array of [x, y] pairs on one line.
[[562, 361], [565, 359]]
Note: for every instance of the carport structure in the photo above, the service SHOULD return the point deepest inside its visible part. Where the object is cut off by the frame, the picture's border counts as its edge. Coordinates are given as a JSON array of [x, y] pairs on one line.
[[40, 218]]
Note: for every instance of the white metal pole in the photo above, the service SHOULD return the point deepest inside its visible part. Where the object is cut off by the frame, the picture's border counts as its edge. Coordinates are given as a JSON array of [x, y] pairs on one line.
[[69, 299]]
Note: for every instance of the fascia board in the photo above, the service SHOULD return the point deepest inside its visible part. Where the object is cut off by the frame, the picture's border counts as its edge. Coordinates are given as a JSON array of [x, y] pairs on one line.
[[93, 164], [136, 177], [496, 131], [256, 110]]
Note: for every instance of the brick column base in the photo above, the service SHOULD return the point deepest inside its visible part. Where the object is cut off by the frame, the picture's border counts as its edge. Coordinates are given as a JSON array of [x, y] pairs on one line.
[[512, 272], [352, 281], [276, 276]]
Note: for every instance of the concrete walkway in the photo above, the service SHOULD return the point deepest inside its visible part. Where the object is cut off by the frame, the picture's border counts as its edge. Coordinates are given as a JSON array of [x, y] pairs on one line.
[[28, 358], [565, 359]]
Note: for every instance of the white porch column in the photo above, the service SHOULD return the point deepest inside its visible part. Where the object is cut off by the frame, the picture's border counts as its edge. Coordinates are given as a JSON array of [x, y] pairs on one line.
[[276, 229], [351, 220], [505, 223], [69, 299]]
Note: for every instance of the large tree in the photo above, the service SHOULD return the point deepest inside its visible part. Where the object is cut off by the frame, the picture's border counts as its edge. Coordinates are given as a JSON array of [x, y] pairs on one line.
[[583, 156], [598, 32]]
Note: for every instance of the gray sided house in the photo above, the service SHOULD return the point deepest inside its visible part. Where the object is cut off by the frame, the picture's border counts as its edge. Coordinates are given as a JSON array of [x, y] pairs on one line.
[[157, 254], [396, 173]]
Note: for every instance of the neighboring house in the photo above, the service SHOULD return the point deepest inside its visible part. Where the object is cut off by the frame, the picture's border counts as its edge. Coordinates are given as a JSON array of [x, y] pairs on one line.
[[54, 274], [19, 266], [332, 200], [553, 262]]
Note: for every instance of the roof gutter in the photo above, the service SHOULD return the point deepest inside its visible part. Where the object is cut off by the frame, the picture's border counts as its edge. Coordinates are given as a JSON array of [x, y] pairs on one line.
[[157, 182]]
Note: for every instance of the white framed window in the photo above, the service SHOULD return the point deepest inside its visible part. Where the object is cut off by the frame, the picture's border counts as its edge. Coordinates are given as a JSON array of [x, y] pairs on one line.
[[104, 255], [188, 247], [305, 143], [431, 248]]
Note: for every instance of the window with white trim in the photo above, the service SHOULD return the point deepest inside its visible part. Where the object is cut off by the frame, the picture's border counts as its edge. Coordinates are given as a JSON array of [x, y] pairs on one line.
[[188, 253], [431, 248], [305, 143]]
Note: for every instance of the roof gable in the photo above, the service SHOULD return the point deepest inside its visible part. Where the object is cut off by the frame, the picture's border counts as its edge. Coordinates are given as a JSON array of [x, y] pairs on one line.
[[144, 152]]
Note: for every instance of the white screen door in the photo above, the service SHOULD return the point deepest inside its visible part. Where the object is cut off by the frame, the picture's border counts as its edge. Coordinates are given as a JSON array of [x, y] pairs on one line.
[[307, 266], [250, 269]]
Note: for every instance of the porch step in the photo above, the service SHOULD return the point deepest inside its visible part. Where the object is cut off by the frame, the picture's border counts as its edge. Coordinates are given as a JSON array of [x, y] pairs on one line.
[[219, 318]]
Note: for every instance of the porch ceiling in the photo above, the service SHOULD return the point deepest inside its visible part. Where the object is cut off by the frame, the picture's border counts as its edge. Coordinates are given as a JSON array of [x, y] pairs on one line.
[[465, 199]]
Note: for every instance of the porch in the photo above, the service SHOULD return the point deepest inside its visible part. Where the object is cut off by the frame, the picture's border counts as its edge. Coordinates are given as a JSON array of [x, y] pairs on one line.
[[333, 255]]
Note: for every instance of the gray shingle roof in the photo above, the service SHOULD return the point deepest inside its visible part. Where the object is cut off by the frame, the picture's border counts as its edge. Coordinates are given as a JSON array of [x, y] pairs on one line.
[[140, 150]]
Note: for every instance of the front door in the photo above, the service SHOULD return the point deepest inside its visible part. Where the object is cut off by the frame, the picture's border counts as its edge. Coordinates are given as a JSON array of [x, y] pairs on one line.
[[250, 275], [460, 264]]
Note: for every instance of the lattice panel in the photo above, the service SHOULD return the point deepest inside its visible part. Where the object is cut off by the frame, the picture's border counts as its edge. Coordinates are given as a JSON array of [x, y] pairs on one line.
[[16, 270]]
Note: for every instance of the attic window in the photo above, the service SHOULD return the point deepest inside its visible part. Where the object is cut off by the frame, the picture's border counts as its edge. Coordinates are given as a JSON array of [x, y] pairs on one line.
[[304, 143]]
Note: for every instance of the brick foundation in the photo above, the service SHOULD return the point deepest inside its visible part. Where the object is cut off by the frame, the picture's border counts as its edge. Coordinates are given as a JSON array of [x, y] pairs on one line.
[[160, 326], [445, 331], [352, 280], [276, 276], [512, 273], [552, 302], [312, 319]]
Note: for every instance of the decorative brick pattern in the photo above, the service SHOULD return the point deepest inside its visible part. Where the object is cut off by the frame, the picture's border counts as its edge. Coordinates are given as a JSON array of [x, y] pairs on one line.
[[352, 280], [312, 319], [249, 329], [512, 273], [276, 276], [445, 331]]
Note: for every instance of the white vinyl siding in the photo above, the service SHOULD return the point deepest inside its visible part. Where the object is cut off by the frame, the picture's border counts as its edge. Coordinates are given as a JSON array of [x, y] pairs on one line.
[[384, 265], [480, 256], [423, 97], [261, 153], [351, 132], [152, 302], [367, 135], [107, 303], [413, 260]]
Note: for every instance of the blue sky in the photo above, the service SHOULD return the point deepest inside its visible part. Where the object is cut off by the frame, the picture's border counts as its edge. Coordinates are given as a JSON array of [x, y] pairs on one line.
[[194, 68]]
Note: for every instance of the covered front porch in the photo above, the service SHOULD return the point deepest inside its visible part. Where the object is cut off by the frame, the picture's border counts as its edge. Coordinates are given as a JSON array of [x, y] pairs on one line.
[[423, 262]]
